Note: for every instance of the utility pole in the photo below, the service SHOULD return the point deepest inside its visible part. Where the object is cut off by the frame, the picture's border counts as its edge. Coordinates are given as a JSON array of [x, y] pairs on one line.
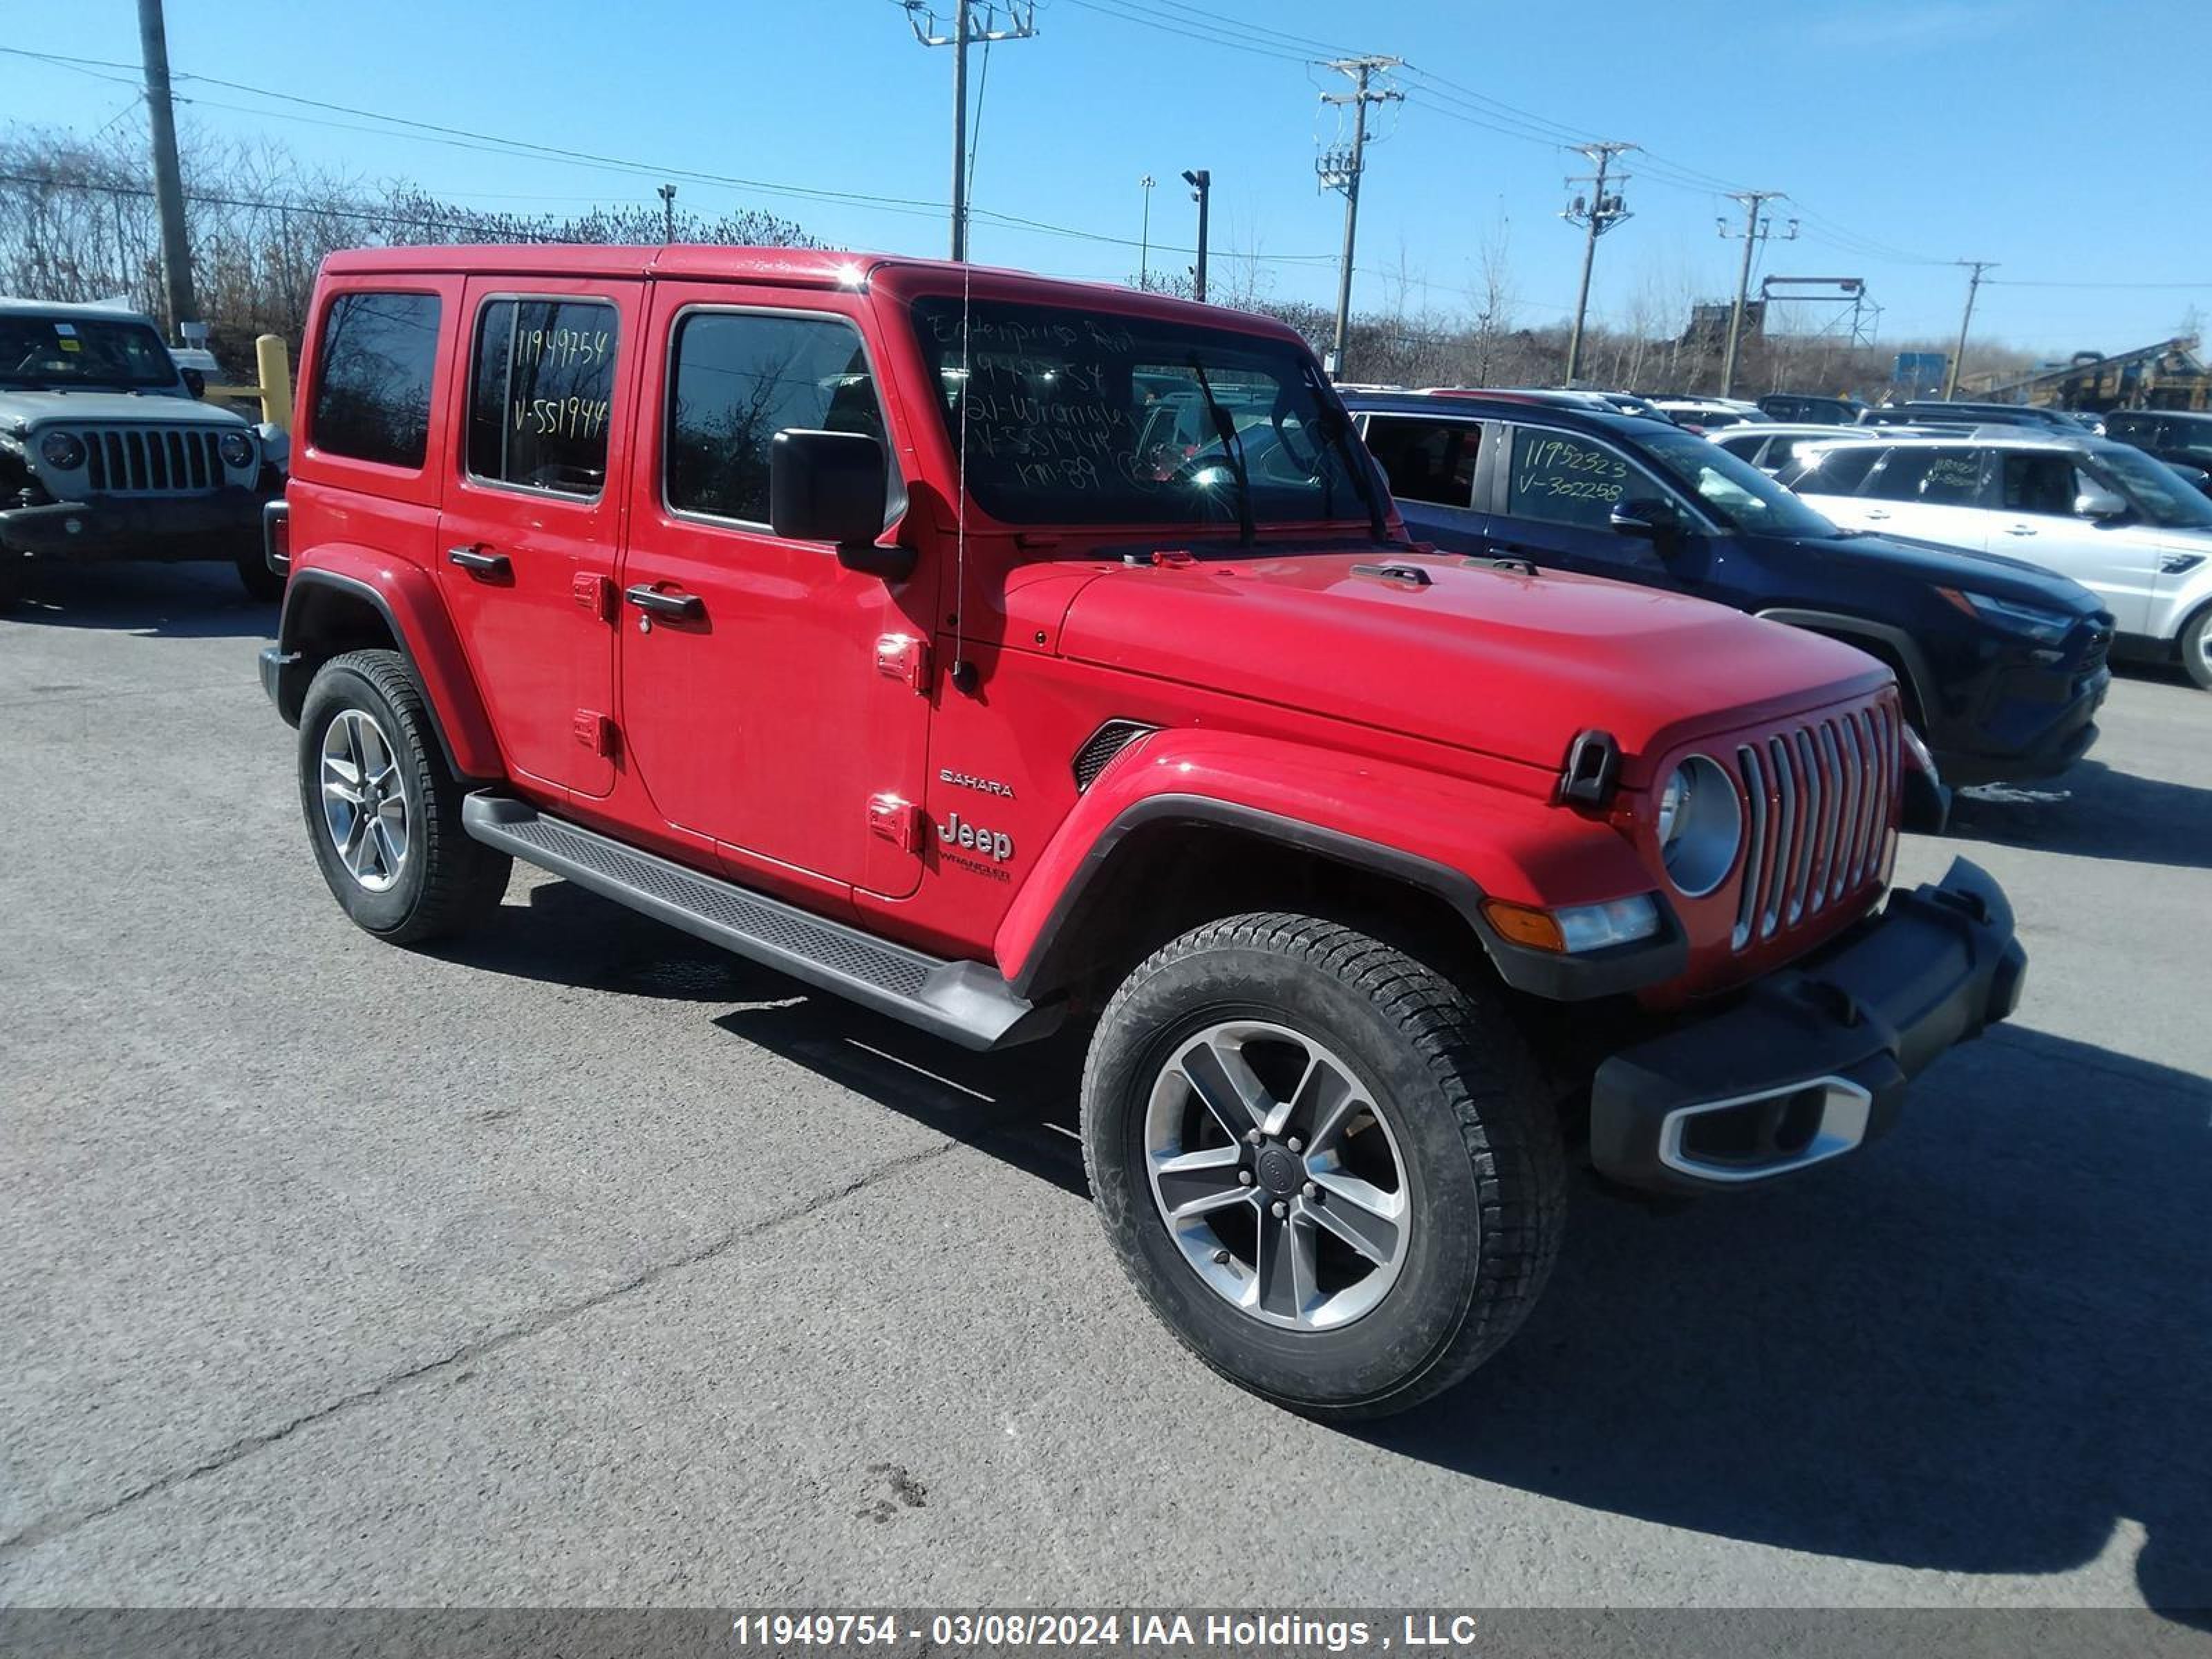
[[1600, 212], [168, 177], [1021, 25], [1144, 236], [1758, 226], [1340, 170], [1200, 181], [667, 214], [1974, 283]]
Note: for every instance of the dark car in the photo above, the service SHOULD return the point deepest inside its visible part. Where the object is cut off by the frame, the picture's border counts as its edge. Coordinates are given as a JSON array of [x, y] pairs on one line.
[[1934, 413], [1806, 409], [2002, 665], [2179, 438]]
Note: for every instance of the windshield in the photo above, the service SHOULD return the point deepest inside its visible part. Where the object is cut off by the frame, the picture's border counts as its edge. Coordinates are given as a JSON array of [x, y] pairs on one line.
[[75, 351], [1737, 492], [1089, 417], [2160, 494]]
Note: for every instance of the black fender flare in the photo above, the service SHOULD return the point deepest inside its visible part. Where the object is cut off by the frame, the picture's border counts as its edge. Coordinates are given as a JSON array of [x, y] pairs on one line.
[[1919, 677]]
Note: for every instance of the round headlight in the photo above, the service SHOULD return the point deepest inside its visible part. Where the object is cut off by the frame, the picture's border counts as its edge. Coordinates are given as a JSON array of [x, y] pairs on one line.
[[1700, 826], [63, 451], [236, 448]]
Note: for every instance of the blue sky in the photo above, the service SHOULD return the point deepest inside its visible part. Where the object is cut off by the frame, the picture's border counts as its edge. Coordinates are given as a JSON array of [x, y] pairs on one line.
[[2058, 137]]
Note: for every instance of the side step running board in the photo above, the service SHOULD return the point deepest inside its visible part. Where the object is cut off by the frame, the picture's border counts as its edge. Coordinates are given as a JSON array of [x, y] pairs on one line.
[[965, 1001]]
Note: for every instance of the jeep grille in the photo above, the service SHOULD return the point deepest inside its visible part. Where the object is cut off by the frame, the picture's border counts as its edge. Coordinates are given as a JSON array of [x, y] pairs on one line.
[[152, 460], [1821, 802]]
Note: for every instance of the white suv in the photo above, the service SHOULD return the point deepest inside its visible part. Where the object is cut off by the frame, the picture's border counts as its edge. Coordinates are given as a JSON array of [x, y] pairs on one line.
[[2125, 526]]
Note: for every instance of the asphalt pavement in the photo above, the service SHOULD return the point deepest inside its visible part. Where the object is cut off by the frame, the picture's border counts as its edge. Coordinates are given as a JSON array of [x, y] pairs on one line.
[[577, 1263]]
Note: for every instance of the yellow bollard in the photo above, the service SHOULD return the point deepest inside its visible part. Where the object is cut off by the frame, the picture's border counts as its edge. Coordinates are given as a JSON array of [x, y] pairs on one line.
[[274, 366]]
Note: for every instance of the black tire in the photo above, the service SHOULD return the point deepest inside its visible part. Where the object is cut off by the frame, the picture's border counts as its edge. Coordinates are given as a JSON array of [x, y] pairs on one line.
[[444, 882], [2197, 649], [260, 581], [1478, 1144]]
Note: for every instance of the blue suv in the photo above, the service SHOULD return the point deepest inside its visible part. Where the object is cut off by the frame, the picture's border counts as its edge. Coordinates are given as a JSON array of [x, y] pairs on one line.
[[2002, 665]]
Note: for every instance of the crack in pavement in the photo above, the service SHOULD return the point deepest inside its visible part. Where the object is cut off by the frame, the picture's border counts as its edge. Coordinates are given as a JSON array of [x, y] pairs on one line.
[[48, 1528]]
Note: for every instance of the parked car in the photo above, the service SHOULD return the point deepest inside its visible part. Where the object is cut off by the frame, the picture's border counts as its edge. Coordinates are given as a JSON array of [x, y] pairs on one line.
[[2124, 526], [2002, 666], [821, 606], [1623, 403], [1933, 413], [1810, 409], [106, 453], [2177, 437], [1709, 414]]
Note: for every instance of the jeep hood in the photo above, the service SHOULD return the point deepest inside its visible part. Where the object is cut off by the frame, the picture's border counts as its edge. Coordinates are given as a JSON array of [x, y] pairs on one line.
[[121, 408], [1478, 657]]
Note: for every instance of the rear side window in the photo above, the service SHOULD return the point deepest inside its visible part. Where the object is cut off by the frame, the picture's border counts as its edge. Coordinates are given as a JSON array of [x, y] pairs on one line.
[[541, 388], [2194, 437], [1935, 477], [373, 378], [1426, 460], [738, 378], [1563, 480], [2038, 483], [2133, 427]]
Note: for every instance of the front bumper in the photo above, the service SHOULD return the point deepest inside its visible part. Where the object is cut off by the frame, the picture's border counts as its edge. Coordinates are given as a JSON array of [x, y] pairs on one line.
[[220, 525], [1813, 1060], [2030, 717]]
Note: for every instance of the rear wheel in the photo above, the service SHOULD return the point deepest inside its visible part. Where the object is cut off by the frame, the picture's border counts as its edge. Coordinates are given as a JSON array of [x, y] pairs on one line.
[[2196, 649], [1330, 1171], [383, 810]]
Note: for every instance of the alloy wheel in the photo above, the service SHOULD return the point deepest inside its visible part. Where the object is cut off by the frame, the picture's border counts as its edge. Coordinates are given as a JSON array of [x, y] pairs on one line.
[[1276, 1174], [364, 799]]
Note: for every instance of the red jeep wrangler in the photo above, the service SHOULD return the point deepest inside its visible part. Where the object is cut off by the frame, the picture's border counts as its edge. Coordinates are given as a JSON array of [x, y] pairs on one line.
[[995, 651]]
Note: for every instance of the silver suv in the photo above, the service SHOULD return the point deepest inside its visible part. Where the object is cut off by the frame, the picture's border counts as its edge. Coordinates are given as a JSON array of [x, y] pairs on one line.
[[2127, 527], [105, 451]]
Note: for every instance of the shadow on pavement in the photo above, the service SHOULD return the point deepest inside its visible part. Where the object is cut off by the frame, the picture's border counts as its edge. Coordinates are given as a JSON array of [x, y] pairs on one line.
[[171, 601], [1980, 1348], [2094, 812]]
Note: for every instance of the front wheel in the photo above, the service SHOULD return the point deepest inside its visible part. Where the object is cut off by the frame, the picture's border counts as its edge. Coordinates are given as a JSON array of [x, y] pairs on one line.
[[384, 810], [2196, 649], [1332, 1172], [259, 580]]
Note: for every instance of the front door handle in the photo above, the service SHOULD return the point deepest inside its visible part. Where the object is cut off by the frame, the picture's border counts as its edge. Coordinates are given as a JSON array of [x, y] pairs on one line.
[[2020, 530], [477, 560], [684, 607], [1876, 512]]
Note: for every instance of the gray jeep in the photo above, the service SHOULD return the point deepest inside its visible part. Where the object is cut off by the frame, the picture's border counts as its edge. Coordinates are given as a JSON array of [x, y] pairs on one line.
[[105, 451]]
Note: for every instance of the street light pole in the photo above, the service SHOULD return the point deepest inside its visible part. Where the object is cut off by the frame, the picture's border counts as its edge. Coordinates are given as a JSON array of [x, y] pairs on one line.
[[1144, 236], [1200, 181], [667, 213]]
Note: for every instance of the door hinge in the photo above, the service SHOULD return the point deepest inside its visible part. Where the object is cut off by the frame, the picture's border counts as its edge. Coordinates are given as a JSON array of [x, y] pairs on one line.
[[902, 657], [595, 731], [594, 593], [896, 821]]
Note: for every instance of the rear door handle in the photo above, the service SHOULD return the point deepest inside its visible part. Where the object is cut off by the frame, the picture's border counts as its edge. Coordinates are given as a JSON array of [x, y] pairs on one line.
[[477, 560], [685, 607], [2020, 530], [1876, 512]]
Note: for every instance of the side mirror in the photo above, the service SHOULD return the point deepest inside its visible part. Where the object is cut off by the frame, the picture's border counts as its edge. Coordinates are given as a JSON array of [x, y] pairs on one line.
[[829, 487], [2099, 503], [195, 382], [1656, 520]]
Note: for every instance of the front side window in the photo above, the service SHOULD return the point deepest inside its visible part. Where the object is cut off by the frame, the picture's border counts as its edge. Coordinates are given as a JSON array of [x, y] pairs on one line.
[[541, 389], [2038, 483], [80, 353], [1094, 418], [1933, 477], [1559, 478], [1832, 471], [1426, 460], [373, 377], [2157, 491], [2191, 437], [740, 377]]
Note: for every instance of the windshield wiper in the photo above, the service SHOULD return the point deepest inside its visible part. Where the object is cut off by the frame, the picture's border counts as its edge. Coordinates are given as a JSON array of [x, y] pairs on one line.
[[1232, 451]]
